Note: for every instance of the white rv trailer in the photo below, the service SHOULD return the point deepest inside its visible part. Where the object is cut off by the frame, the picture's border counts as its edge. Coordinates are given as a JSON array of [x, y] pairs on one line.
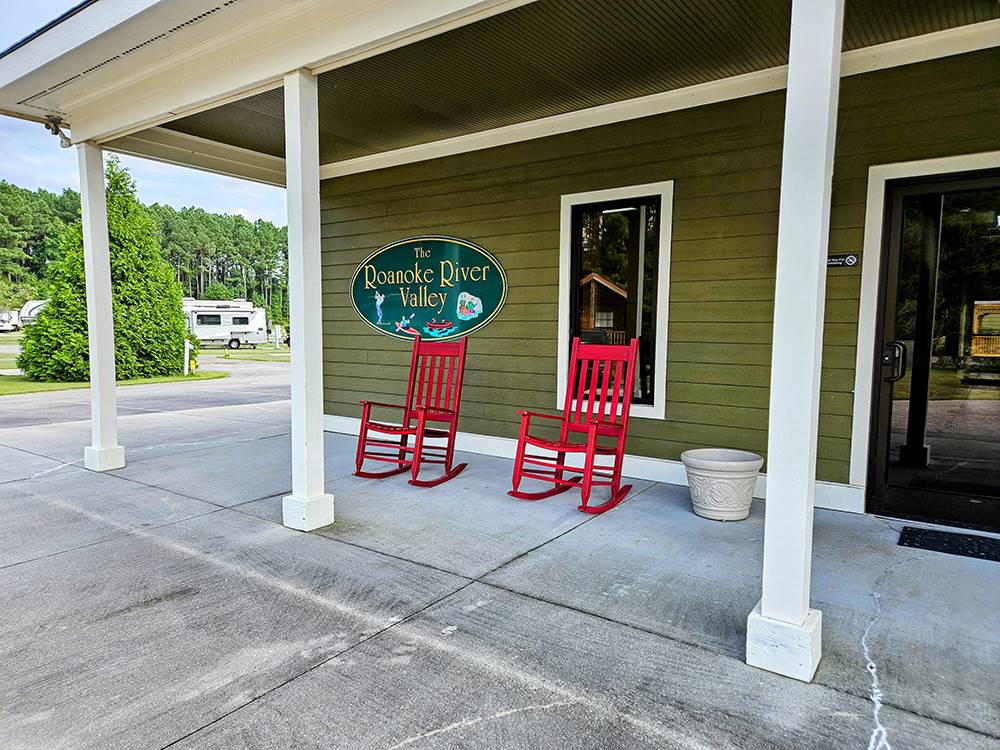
[[232, 323], [10, 320], [30, 311]]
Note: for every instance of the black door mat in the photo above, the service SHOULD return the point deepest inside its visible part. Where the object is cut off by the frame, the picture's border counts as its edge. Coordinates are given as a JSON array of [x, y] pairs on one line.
[[968, 545]]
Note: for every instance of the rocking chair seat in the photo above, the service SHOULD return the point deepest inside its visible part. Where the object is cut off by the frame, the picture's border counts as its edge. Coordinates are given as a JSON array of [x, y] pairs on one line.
[[398, 429], [567, 446]]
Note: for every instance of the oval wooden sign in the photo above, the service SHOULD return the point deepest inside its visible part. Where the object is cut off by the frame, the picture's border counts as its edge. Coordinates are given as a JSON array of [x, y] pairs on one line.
[[440, 288]]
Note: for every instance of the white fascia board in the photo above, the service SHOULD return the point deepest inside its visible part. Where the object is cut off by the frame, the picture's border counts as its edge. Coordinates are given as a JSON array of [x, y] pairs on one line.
[[314, 35], [939, 44], [22, 116], [69, 35], [172, 147]]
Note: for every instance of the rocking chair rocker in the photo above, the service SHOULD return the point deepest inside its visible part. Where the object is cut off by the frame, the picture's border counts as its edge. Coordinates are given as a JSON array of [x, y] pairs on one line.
[[598, 399], [433, 395]]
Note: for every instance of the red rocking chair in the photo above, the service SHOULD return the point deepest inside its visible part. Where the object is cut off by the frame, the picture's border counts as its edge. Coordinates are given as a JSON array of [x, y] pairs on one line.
[[433, 396], [594, 423]]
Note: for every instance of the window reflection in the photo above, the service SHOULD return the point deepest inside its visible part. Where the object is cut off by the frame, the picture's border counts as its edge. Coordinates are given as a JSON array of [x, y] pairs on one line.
[[614, 266]]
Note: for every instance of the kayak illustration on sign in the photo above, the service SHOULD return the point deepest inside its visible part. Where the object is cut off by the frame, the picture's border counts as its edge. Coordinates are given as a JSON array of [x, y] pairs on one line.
[[435, 286]]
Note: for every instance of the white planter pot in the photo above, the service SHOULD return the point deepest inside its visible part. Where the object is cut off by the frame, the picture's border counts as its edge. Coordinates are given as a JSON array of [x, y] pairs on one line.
[[721, 481]]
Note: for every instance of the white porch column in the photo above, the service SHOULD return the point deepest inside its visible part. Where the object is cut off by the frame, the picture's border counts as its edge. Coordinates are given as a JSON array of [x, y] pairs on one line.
[[308, 507], [104, 453], [783, 633]]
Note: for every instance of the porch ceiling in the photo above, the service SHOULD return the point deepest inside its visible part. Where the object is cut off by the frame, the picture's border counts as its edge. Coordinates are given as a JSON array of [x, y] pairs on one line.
[[551, 57]]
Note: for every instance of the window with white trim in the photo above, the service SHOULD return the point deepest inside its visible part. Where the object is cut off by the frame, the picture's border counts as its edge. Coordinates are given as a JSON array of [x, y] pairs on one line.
[[614, 280]]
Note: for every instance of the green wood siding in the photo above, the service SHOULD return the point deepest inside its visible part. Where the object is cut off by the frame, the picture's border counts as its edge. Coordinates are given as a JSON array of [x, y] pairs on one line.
[[725, 160]]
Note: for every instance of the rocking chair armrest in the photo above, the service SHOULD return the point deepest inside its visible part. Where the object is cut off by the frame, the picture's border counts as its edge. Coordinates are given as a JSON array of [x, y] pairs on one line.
[[379, 403], [533, 414], [435, 409]]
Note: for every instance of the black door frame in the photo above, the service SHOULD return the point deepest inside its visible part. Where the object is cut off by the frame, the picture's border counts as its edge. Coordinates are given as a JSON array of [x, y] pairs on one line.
[[937, 506]]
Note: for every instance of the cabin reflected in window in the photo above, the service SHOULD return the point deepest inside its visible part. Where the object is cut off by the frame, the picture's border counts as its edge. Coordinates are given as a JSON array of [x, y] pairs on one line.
[[614, 264]]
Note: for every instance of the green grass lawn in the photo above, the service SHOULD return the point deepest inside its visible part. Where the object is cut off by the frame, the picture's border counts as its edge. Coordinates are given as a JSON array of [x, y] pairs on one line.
[[947, 385], [15, 384], [263, 353]]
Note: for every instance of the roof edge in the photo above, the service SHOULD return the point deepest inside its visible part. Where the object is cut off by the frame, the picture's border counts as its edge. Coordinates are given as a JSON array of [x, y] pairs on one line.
[[50, 25]]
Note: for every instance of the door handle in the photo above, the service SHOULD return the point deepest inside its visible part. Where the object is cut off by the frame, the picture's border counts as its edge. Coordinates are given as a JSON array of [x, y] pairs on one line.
[[894, 356]]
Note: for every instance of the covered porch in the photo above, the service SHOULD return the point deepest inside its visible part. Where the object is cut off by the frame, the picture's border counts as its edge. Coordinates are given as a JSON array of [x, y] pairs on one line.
[[301, 94], [149, 606]]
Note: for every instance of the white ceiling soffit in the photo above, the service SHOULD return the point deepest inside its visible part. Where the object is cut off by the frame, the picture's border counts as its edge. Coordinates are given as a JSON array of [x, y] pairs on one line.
[[179, 56], [102, 43]]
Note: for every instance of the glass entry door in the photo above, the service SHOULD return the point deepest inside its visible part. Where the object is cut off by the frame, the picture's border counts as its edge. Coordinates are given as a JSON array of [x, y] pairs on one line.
[[936, 442]]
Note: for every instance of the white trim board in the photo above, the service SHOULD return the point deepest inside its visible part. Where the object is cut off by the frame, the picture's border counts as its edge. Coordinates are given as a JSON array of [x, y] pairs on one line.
[[962, 39], [829, 495], [871, 268], [173, 147], [665, 191]]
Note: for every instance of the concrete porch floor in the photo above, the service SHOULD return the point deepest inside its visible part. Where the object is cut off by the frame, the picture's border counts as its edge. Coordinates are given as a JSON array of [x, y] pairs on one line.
[[163, 605]]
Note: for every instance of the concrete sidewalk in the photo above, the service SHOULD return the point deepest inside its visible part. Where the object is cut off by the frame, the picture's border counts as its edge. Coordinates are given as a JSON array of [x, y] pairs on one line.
[[163, 605]]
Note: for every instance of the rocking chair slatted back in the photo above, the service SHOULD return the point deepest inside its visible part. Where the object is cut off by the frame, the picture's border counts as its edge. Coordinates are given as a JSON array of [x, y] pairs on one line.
[[600, 385], [436, 371]]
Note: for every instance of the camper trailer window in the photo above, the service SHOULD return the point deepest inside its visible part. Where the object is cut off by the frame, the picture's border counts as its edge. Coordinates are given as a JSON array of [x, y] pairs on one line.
[[209, 320], [615, 254], [239, 320]]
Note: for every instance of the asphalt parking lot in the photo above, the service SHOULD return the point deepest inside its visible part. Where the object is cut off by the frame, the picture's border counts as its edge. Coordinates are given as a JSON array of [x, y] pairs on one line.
[[249, 382]]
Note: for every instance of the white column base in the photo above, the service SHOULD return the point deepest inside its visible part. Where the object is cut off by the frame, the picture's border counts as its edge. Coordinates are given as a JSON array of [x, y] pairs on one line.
[[784, 648], [307, 514], [104, 459]]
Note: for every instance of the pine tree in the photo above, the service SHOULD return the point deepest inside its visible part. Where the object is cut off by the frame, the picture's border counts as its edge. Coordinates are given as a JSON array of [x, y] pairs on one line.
[[146, 299], [218, 290]]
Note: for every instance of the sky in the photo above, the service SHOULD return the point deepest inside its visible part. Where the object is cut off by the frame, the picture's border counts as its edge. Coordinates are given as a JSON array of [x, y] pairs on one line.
[[31, 158]]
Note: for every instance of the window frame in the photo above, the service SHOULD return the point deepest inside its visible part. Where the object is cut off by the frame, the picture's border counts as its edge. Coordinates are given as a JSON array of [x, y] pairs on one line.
[[199, 321], [665, 191], [603, 315], [244, 320]]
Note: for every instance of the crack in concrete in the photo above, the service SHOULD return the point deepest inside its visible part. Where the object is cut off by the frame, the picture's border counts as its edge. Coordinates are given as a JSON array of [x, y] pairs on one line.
[[879, 738], [478, 719], [51, 469], [130, 451]]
